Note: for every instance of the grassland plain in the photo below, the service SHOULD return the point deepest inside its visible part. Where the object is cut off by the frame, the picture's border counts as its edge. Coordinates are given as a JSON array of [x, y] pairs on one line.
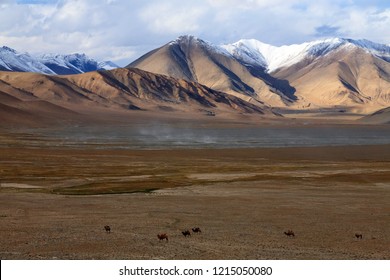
[[55, 202]]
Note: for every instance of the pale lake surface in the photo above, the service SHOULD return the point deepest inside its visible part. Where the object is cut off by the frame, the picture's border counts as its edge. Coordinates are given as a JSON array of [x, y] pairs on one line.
[[168, 136]]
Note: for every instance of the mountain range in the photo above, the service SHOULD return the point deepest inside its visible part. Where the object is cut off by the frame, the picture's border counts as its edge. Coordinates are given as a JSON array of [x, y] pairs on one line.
[[27, 98], [52, 64], [350, 74], [193, 77]]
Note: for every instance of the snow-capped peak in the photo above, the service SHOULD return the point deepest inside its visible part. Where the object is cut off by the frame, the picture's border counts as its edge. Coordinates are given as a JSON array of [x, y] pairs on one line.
[[185, 39], [107, 65], [372, 47], [270, 57], [258, 53], [11, 60], [69, 64], [189, 40], [7, 49]]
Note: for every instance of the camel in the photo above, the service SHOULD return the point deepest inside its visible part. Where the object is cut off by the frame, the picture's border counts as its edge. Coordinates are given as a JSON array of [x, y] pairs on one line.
[[196, 230], [186, 233], [107, 228], [162, 236], [289, 233], [359, 235]]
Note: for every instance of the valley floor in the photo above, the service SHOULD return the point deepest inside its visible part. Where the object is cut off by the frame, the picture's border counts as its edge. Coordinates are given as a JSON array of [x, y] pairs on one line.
[[55, 202]]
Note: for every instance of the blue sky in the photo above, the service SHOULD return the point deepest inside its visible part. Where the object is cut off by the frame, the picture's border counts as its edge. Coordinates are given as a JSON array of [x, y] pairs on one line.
[[122, 30]]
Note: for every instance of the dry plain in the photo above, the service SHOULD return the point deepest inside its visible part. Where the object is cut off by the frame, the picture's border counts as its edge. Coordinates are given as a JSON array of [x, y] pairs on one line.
[[55, 202]]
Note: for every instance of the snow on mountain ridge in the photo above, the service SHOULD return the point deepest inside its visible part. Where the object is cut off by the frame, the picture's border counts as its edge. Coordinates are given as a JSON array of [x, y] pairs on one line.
[[107, 65], [5, 48], [189, 39], [70, 63], [380, 50], [11, 60], [270, 57], [246, 51]]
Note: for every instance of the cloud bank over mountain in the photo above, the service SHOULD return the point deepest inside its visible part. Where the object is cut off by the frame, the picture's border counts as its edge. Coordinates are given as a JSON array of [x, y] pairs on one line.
[[120, 31]]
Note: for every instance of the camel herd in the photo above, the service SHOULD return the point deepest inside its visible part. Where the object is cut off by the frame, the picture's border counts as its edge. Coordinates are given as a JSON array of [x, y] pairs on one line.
[[188, 233], [164, 236], [291, 233]]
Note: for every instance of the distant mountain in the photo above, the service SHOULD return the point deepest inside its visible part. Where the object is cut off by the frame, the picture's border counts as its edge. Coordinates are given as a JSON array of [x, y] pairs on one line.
[[107, 65], [272, 58], [11, 60], [69, 64], [196, 60], [53, 64], [351, 75], [31, 97], [190, 75], [334, 73], [379, 117]]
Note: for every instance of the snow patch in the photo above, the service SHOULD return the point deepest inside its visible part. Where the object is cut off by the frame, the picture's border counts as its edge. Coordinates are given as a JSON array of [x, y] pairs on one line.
[[107, 65], [189, 39]]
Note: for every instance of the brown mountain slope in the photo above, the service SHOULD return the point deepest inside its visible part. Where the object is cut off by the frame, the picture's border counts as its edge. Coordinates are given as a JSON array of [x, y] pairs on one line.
[[348, 77], [193, 59], [111, 92], [30, 112], [134, 88], [380, 117]]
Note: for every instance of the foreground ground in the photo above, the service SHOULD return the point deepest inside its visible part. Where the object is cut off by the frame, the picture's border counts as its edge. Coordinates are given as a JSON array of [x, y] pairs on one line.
[[54, 203]]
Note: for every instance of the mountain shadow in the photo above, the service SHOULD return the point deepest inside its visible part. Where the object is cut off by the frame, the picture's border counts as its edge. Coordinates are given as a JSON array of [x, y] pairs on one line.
[[281, 86]]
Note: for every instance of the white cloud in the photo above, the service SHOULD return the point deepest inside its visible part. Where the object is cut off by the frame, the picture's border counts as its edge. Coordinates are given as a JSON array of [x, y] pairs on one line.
[[253, 4], [370, 24], [171, 18], [114, 29]]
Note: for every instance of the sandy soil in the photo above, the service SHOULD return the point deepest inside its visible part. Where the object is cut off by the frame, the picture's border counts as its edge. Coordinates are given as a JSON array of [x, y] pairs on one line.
[[55, 202]]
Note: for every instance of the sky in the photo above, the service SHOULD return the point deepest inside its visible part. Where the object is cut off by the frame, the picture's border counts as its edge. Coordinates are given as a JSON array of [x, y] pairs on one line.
[[123, 30]]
